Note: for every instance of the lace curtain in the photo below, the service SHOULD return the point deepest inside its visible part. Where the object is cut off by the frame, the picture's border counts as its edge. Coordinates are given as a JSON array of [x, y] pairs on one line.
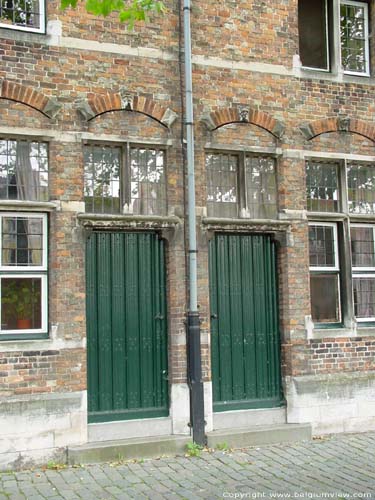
[[27, 179]]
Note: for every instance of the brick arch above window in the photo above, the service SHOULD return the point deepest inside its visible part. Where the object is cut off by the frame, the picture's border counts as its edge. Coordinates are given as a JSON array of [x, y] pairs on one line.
[[340, 124], [98, 104], [227, 116], [29, 96]]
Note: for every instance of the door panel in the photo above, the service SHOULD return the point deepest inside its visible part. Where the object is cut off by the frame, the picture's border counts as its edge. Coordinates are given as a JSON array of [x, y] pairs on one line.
[[126, 326], [245, 345]]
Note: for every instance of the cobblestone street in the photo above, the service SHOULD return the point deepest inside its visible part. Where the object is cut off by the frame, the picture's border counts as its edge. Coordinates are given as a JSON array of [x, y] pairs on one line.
[[336, 467]]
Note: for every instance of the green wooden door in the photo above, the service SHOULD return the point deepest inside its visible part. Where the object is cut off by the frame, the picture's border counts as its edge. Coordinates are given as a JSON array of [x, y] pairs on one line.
[[245, 346], [126, 326]]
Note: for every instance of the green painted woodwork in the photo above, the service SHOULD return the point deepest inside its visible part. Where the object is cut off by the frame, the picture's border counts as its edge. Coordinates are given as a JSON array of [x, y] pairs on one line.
[[126, 326], [245, 340]]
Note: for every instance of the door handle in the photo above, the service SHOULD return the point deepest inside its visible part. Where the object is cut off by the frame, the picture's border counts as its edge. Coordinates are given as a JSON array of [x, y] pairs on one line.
[[214, 316], [159, 316]]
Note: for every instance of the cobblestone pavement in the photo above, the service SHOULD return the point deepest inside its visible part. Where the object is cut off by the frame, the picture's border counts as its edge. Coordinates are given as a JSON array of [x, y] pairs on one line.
[[337, 467]]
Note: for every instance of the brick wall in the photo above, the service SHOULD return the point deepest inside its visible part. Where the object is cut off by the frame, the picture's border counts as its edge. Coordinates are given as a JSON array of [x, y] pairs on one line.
[[329, 355], [239, 32], [35, 372]]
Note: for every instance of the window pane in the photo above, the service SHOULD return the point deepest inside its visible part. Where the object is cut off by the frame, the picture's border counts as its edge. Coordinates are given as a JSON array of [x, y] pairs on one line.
[[324, 290], [21, 307], [20, 12], [148, 186], [22, 241], [322, 186], [362, 242], [261, 187], [222, 172], [361, 188], [364, 297], [23, 170], [353, 37], [322, 246], [102, 179], [312, 25]]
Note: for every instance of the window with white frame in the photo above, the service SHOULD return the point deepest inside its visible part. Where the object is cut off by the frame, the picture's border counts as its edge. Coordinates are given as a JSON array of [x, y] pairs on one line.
[[23, 274], [339, 191], [125, 179], [324, 273], [319, 20], [363, 265], [354, 37], [24, 15], [241, 185], [23, 170]]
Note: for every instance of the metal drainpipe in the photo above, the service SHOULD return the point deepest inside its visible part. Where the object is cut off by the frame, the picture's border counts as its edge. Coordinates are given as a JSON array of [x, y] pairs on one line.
[[193, 323]]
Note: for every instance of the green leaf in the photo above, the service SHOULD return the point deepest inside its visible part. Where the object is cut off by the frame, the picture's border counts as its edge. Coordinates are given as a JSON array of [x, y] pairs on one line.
[[128, 11]]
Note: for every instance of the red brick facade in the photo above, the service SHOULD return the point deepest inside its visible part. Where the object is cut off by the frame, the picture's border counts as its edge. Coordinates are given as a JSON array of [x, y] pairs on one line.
[[96, 81]]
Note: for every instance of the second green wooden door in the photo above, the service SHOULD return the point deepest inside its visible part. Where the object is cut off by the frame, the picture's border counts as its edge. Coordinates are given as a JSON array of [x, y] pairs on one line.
[[245, 346]]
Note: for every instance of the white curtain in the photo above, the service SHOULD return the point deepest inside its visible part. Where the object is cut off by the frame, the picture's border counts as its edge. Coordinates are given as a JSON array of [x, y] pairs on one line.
[[26, 178]]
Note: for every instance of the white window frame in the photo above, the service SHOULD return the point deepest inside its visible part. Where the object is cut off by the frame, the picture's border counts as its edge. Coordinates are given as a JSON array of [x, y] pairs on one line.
[[366, 226], [28, 272], [43, 302], [363, 5], [334, 269], [42, 15], [364, 272], [27, 215]]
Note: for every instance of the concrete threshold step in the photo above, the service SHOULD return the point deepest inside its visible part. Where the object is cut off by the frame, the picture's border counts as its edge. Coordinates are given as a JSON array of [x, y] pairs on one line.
[[127, 449], [152, 447], [261, 435]]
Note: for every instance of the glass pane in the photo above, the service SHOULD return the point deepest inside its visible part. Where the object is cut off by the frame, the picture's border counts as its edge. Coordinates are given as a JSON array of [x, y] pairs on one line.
[[148, 183], [23, 170], [312, 25], [362, 242], [324, 290], [102, 179], [21, 307], [22, 241], [364, 297], [322, 186], [222, 172], [261, 187], [20, 12], [322, 246], [353, 38], [361, 188]]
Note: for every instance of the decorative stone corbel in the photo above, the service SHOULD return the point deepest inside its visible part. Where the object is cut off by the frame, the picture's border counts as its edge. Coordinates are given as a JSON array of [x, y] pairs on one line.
[[85, 110], [278, 129], [169, 117], [127, 101], [52, 107], [306, 131], [244, 115], [208, 121], [343, 123]]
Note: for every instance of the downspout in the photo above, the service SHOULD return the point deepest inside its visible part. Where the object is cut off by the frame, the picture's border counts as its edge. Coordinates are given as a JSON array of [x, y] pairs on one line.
[[193, 319]]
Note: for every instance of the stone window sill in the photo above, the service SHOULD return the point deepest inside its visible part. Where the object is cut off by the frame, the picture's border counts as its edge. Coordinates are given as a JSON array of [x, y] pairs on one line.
[[29, 206], [359, 331], [336, 77], [50, 342]]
